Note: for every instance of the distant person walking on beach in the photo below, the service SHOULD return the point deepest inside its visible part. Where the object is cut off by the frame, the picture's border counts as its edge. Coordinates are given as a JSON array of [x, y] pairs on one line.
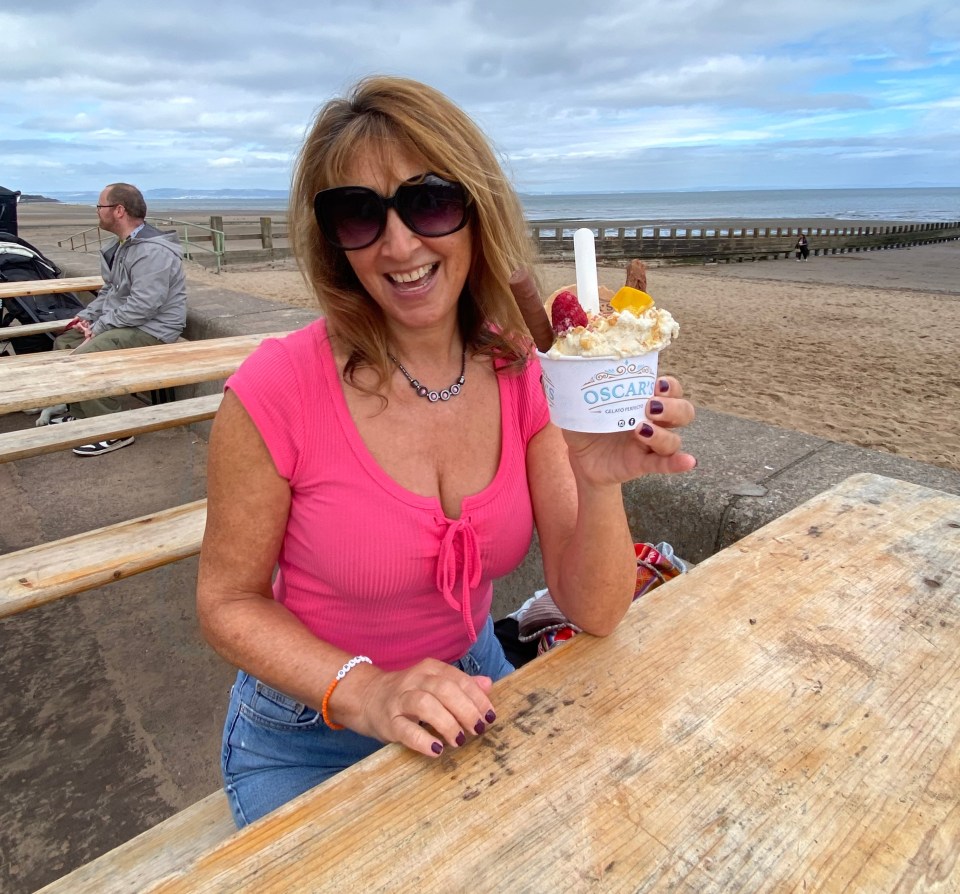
[[143, 301], [803, 248]]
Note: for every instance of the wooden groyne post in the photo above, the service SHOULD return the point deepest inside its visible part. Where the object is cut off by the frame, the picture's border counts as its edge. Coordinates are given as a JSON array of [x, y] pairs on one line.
[[727, 241]]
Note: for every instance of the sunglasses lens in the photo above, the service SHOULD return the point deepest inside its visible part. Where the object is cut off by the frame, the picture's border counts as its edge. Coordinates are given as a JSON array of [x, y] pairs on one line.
[[433, 208], [353, 217], [350, 216]]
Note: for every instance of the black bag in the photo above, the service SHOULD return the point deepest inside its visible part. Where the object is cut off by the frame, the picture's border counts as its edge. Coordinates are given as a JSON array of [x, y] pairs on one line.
[[19, 262]]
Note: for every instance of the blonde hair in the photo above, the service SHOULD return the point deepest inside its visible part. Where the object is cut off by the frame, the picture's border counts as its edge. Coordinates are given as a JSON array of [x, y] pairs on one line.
[[383, 116]]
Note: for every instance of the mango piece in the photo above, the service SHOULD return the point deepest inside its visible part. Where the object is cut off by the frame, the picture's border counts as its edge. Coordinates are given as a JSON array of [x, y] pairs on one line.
[[631, 299]]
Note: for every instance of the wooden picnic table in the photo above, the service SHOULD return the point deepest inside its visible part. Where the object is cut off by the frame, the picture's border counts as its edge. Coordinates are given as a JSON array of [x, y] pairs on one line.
[[30, 380], [31, 287], [785, 717]]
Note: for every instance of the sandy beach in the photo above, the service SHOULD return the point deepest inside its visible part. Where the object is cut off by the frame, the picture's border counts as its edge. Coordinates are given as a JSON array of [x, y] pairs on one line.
[[861, 348]]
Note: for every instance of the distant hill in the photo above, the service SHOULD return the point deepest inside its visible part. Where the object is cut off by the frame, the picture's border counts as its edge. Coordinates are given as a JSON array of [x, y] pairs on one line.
[[24, 198], [180, 194]]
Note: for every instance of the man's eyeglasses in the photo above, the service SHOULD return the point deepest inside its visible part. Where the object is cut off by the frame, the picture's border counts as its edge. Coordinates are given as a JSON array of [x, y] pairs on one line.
[[354, 217], [115, 205]]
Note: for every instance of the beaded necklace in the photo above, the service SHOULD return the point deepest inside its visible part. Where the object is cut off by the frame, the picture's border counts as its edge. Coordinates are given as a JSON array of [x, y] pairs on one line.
[[434, 396]]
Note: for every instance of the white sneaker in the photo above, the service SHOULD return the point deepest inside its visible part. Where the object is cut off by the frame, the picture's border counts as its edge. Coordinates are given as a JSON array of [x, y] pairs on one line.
[[103, 446]]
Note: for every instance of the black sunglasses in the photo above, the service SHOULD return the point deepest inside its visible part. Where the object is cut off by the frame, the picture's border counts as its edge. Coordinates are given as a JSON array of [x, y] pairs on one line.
[[354, 217]]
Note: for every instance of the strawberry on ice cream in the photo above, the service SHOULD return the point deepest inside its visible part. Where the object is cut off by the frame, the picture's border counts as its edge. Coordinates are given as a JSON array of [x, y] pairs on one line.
[[632, 327]]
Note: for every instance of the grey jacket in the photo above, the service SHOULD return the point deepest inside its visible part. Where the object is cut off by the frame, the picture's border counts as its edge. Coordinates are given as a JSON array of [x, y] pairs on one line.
[[144, 286]]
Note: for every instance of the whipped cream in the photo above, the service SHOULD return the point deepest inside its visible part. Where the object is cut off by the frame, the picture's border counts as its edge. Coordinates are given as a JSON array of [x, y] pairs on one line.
[[618, 335]]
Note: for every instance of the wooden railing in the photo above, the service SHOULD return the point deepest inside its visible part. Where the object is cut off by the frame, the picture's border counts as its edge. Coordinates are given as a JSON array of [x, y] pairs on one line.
[[198, 240], [268, 238]]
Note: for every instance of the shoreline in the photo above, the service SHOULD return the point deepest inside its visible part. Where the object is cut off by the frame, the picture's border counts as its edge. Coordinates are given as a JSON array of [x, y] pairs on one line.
[[41, 214]]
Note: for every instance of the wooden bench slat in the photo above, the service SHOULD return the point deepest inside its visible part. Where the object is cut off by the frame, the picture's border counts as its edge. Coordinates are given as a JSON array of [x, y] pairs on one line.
[[30, 287], [8, 332], [30, 380], [35, 441], [41, 574], [158, 853]]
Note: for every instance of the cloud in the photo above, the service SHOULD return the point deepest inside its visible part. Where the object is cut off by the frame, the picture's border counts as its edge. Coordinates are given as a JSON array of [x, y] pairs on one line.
[[692, 93]]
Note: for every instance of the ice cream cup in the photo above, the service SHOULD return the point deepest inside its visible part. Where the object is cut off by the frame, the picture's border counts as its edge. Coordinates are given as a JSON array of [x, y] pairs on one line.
[[598, 394]]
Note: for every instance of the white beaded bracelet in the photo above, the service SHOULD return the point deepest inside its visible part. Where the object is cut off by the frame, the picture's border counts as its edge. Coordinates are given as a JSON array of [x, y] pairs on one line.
[[349, 666]]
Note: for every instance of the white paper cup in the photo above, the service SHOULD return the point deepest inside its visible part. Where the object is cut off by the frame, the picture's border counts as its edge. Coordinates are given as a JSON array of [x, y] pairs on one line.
[[599, 394]]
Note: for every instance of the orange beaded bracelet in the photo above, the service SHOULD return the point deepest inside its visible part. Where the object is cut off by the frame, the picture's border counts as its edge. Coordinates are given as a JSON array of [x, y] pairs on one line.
[[349, 666]]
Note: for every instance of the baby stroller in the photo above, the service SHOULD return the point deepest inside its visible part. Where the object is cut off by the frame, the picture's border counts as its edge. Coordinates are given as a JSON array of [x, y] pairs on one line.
[[20, 261]]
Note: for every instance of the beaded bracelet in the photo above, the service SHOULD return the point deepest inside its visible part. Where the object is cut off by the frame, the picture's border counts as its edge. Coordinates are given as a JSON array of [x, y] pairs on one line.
[[349, 666]]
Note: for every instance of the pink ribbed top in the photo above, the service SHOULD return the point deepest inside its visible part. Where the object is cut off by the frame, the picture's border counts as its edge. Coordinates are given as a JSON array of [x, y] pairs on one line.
[[366, 564]]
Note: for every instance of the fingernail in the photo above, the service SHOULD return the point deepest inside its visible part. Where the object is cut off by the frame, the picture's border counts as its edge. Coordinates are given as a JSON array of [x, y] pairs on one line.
[[490, 716], [461, 738], [663, 385], [646, 431], [479, 728], [436, 748], [655, 407]]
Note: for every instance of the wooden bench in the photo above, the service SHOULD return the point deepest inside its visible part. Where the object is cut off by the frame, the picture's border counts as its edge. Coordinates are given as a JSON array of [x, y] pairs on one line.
[[161, 851], [50, 571], [45, 439], [51, 377], [40, 574], [8, 332], [32, 287]]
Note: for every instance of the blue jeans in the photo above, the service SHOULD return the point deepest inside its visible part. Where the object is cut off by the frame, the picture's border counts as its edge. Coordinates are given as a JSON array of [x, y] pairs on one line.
[[275, 748]]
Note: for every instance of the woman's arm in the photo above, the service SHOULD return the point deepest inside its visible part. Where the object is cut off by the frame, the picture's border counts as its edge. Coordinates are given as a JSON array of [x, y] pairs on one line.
[[247, 507], [575, 484]]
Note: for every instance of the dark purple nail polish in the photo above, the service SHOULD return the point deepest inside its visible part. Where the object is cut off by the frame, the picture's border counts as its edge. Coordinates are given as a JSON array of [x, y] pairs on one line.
[[461, 738], [663, 385], [479, 728], [655, 406], [490, 716], [645, 430], [436, 748]]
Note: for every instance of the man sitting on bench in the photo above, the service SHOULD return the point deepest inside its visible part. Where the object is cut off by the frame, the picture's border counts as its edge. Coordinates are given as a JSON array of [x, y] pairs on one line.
[[143, 301]]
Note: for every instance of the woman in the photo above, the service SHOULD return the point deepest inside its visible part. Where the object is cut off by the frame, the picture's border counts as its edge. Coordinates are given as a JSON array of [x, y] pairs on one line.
[[391, 505]]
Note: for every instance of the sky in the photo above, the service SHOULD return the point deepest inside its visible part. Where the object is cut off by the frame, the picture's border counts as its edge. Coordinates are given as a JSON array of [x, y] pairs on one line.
[[575, 96]]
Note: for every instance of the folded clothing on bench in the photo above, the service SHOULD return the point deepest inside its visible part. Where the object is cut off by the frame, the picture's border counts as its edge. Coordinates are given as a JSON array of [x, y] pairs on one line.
[[538, 625]]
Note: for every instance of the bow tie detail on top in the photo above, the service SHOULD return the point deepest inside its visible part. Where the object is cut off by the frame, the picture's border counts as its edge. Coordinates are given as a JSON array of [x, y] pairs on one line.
[[459, 541]]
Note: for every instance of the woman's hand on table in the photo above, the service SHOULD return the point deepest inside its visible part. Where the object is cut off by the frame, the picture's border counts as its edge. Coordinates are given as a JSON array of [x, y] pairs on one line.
[[651, 448], [426, 707]]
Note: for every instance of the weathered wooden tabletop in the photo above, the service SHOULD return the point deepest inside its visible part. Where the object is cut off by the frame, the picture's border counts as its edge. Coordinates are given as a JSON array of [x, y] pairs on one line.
[[37, 380], [786, 717], [31, 287]]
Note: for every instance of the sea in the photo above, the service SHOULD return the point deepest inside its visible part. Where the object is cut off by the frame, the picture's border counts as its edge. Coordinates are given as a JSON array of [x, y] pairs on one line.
[[922, 204]]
